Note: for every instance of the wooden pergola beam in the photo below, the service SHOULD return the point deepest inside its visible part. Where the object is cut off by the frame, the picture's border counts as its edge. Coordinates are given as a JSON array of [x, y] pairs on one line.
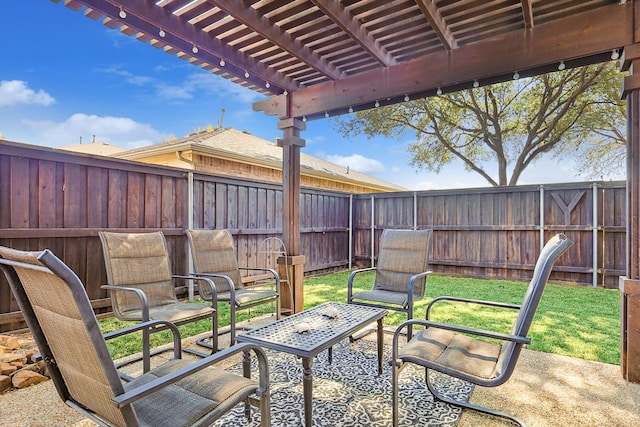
[[347, 23], [180, 37], [578, 36], [431, 12], [527, 13], [268, 30]]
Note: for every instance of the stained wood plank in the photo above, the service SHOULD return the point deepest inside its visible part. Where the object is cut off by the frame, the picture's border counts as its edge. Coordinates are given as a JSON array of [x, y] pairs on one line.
[[117, 198], [46, 194], [97, 192], [19, 188], [135, 200]]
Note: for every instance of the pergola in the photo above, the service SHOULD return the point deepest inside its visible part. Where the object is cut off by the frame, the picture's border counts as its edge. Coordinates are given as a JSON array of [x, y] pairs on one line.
[[319, 58]]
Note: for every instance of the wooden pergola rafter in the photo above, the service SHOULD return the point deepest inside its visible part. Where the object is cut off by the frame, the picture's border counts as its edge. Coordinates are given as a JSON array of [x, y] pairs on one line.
[[313, 58]]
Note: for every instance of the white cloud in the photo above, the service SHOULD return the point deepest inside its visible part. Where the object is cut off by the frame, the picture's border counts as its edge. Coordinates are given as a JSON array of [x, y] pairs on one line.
[[358, 162], [129, 77], [194, 85], [14, 92], [120, 131], [199, 84]]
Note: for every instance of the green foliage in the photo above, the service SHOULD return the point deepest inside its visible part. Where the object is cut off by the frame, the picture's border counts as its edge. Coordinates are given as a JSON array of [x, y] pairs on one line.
[[573, 321], [502, 129]]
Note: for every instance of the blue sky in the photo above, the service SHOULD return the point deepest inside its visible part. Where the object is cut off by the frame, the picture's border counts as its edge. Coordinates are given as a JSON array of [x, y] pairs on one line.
[[64, 76]]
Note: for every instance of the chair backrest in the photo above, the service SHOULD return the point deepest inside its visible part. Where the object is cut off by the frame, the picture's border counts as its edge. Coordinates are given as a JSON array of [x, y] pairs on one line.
[[213, 252], [59, 314], [139, 260], [401, 254], [550, 253]]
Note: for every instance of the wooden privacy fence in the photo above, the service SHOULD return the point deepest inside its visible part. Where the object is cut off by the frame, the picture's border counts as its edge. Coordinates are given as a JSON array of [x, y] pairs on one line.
[[60, 200], [498, 232]]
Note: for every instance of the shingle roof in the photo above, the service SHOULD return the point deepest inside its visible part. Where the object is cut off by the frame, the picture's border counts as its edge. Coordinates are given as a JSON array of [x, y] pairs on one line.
[[234, 144], [97, 148]]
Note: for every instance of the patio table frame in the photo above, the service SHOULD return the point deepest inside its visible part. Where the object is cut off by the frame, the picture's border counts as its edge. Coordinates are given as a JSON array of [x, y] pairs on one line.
[[324, 332]]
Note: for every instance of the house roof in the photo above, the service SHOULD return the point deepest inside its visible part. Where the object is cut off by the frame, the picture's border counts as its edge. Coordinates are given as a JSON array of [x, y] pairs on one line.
[[97, 148], [241, 146]]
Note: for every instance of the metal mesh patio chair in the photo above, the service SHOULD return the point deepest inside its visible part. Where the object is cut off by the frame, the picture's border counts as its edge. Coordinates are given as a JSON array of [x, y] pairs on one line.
[[177, 393], [400, 275], [465, 352], [142, 287], [214, 257]]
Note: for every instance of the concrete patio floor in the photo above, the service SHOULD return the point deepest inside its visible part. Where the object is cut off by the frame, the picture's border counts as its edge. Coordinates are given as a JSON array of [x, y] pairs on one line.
[[545, 390]]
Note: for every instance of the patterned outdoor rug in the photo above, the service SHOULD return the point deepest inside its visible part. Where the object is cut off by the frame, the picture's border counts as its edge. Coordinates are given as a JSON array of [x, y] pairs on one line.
[[349, 392]]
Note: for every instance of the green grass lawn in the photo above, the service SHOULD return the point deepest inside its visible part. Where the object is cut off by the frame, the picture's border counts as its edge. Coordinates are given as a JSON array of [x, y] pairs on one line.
[[573, 321]]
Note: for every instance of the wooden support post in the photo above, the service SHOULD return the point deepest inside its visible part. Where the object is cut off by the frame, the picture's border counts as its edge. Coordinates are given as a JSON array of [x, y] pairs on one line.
[[630, 329], [291, 144], [630, 285], [292, 293]]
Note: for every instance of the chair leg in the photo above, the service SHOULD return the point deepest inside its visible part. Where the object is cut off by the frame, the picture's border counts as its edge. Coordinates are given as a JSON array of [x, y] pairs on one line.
[[468, 405], [395, 372], [214, 332], [214, 337], [232, 321], [146, 350]]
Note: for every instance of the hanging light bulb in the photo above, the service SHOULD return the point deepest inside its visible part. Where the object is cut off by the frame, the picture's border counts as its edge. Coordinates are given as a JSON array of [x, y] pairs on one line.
[[222, 63], [304, 119], [246, 74], [326, 114], [516, 75], [439, 91], [267, 85], [122, 13], [350, 109], [406, 98], [161, 33], [475, 83], [377, 104], [561, 66], [615, 54], [194, 49]]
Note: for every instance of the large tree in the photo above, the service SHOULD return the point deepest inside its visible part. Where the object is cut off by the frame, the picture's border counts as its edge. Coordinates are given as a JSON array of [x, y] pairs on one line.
[[500, 130]]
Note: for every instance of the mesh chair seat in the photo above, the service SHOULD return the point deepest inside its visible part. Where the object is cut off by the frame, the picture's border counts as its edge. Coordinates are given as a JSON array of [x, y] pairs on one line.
[[247, 295], [174, 313], [472, 359], [382, 296], [201, 392]]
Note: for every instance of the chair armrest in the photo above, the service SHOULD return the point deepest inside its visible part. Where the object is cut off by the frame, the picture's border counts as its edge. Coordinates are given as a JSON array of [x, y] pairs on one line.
[[470, 301], [209, 283], [352, 276], [151, 325], [214, 294], [144, 302], [144, 390], [464, 329]]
